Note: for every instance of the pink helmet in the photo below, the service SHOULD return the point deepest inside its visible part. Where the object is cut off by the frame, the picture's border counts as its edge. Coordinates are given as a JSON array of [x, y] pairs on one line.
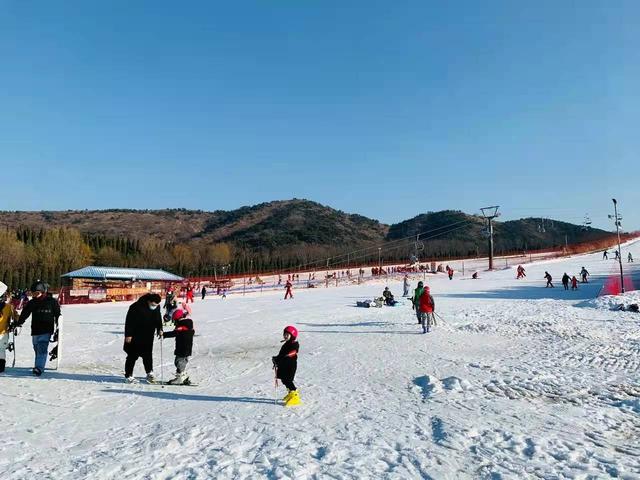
[[178, 315], [291, 330]]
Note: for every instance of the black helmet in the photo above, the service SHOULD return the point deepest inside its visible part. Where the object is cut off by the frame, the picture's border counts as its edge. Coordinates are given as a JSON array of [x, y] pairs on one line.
[[39, 286], [420, 284]]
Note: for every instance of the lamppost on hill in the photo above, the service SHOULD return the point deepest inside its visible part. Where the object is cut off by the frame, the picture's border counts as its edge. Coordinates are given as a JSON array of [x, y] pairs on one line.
[[490, 213], [617, 218]]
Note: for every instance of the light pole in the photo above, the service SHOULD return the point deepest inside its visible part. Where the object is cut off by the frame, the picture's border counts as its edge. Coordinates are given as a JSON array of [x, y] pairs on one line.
[[379, 260], [617, 220], [490, 213]]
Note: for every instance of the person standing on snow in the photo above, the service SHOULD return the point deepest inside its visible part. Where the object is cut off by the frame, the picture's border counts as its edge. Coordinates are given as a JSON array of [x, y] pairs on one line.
[[44, 311], [415, 301], [427, 308], [406, 286], [605, 255], [189, 294], [143, 320], [549, 278], [286, 363], [450, 271], [565, 281], [584, 274], [574, 283], [617, 255], [288, 293], [8, 316], [183, 333], [204, 292], [629, 258]]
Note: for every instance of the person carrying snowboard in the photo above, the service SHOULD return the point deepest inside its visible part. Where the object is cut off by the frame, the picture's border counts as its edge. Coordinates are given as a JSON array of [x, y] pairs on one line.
[[8, 316], [584, 274], [549, 278], [183, 333], [44, 311], [143, 320], [415, 301], [286, 364], [427, 308], [288, 293], [565, 281]]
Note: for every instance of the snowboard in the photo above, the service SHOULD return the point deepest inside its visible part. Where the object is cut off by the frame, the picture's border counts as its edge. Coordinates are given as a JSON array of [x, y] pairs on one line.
[[56, 351]]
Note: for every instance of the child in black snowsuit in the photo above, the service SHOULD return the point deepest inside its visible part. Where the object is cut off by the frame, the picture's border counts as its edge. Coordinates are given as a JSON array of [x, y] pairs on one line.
[[183, 334], [286, 364]]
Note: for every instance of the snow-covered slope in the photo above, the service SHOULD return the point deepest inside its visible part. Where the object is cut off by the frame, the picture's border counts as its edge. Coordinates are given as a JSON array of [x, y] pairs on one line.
[[516, 381]]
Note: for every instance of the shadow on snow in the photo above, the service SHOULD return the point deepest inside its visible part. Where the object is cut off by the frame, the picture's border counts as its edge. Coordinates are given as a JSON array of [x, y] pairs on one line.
[[164, 395]]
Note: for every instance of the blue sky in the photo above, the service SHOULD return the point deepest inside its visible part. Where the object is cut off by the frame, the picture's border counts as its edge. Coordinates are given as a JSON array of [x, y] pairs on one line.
[[387, 109]]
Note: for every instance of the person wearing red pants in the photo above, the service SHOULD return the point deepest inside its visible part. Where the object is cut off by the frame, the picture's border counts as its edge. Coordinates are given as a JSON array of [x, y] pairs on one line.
[[288, 293]]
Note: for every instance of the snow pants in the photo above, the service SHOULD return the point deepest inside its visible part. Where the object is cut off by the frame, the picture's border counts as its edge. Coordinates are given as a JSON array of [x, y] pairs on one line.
[[181, 364], [132, 358], [41, 349], [289, 384], [405, 293], [4, 342], [288, 293]]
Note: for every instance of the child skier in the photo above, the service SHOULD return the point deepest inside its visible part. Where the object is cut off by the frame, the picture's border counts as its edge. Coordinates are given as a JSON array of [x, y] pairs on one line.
[[427, 307], [415, 303], [183, 334], [574, 283], [286, 363]]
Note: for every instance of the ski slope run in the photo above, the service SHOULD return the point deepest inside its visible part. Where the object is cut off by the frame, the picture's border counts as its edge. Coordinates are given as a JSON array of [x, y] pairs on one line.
[[518, 381]]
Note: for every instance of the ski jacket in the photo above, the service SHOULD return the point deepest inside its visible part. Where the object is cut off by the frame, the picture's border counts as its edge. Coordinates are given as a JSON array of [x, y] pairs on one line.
[[286, 362], [427, 304], [44, 313], [141, 324], [566, 278], [417, 293], [183, 334], [7, 316]]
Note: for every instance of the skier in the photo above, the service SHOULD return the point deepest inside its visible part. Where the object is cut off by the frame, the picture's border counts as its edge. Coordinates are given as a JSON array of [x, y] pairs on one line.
[[286, 364], [574, 283], [143, 319], [629, 258], [617, 254], [565, 281], [427, 308], [549, 278], [204, 292], [521, 273], [406, 286], [288, 293], [183, 333], [189, 294], [415, 301], [474, 276], [450, 271], [7, 318], [44, 311], [169, 299], [605, 255], [584, 274]]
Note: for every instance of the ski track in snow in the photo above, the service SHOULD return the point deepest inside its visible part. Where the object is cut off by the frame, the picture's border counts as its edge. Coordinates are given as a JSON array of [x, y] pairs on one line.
[[515, 381]]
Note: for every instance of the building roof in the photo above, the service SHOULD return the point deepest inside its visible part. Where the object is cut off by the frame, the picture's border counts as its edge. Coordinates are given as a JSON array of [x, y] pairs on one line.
[[116, 273]]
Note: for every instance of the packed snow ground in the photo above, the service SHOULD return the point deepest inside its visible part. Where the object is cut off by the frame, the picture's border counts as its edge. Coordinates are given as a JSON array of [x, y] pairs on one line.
[[517, 381]]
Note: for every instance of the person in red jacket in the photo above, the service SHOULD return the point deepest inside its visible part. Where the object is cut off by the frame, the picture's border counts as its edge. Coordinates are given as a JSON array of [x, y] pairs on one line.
[[427, 307], [574, 283], [288, 293], [189, 294]]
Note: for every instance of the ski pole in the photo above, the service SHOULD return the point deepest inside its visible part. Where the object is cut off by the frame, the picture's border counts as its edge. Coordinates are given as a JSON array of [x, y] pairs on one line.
[[439, 317], [161, 362]]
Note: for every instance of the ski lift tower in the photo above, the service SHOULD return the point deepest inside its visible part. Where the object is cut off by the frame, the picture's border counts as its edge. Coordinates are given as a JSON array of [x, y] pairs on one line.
[[489, 213], [618, 219]]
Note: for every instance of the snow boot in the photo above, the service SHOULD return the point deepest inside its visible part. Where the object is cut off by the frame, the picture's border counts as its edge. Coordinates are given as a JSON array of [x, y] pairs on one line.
[[2, 365], [130, 379], [36, 371], [151, 378], [294, 399], [287, 396], [179, 380]]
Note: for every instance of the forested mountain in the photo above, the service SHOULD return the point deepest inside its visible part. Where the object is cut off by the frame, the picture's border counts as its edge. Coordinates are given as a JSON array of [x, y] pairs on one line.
[[268, 236]]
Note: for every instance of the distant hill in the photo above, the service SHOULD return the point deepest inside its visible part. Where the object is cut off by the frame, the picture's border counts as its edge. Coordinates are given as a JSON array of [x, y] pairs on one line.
[[279, 234]]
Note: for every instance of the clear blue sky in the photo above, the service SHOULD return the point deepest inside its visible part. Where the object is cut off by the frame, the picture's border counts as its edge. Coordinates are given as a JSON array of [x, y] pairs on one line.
[[387, 109]]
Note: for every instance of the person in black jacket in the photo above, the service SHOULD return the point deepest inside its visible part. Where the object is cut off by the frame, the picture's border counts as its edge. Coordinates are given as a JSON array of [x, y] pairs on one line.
[[183, 333], [44, 311], [143, 320], [286, 364]]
